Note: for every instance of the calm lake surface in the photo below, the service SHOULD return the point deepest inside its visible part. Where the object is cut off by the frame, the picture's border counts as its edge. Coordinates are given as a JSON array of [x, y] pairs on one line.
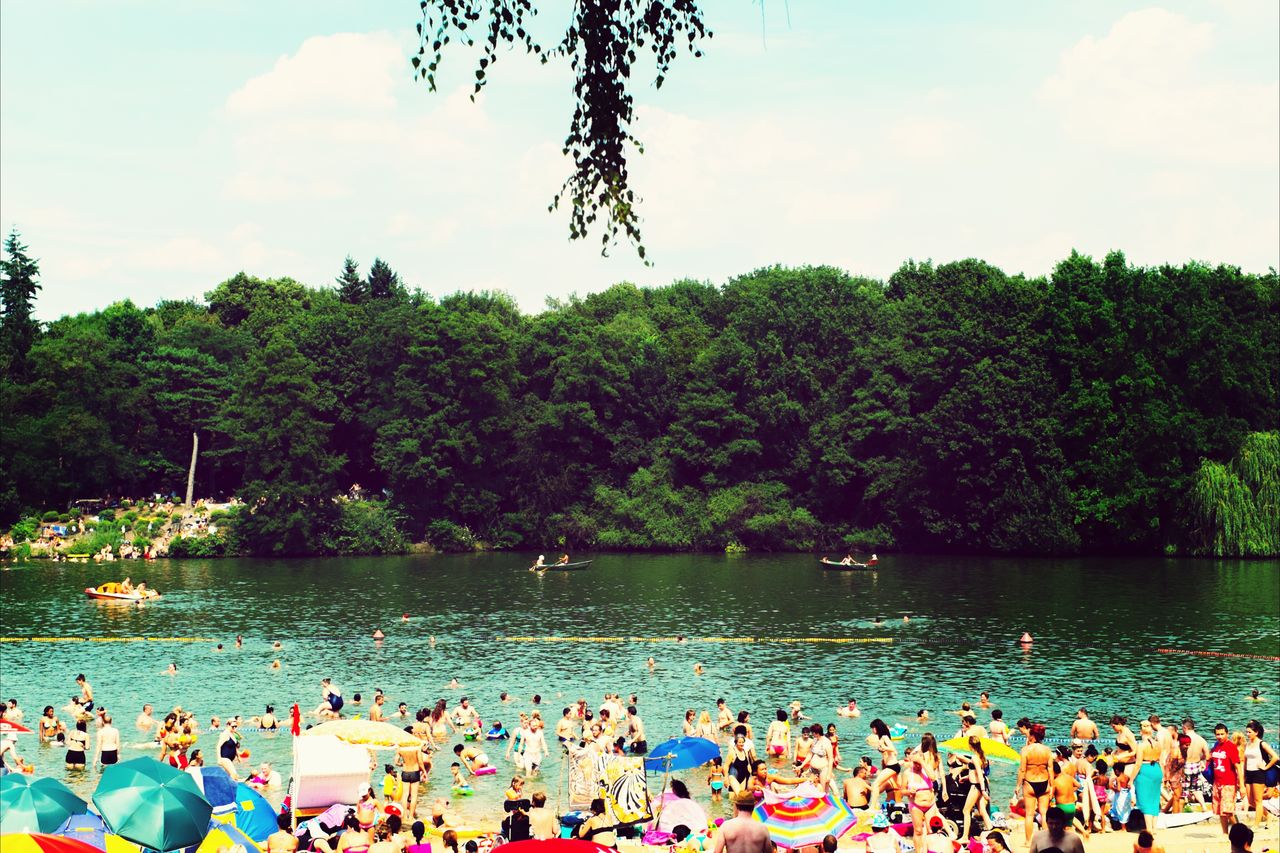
[[1097, 625]]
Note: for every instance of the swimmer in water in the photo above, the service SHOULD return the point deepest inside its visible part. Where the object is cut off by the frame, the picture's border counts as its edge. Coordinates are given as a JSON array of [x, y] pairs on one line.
[[275, 664], [984, 700], [697, 669], [378, 635], [850, 710], [239, 642], [1255, 696], [454, 684], [172, 670], [922, 716], [432, 641], [652, 665], [276, 645]]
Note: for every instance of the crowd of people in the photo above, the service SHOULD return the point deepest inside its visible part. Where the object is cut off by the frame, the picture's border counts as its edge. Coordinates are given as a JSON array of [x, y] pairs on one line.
[[1084, 784]]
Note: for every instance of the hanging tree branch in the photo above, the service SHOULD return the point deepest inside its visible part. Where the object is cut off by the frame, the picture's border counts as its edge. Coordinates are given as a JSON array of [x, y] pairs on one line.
[[602, 44]]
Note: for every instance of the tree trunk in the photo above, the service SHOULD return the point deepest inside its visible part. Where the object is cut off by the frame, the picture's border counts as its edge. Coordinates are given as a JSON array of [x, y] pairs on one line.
[[191, 472]]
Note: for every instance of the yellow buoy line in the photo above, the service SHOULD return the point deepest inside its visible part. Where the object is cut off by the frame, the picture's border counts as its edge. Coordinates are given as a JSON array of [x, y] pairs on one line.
[[696, 639], [106, 639]]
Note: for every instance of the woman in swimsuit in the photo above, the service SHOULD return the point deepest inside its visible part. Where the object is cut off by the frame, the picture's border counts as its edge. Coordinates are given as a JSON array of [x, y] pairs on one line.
[[1035, 778], [706, 729], [1126, 747], [77, 746], [367, 809], [979, 794], [50, 726], [1150, 776], [741, 761], [821, 759], [887, 778], [778, 737], [919, 785], [690, 724], [355, 838], [1258, 758]]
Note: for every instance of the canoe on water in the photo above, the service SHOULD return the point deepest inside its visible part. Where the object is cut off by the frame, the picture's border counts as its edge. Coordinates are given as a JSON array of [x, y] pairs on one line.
[[834, 566], [567, 567]]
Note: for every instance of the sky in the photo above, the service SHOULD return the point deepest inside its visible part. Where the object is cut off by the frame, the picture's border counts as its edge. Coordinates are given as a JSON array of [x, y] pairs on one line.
[[149, 150]]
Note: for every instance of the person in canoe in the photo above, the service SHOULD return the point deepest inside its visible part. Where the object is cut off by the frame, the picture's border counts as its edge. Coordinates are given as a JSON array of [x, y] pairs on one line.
[[563, 561], [847, 561], [539, 565]]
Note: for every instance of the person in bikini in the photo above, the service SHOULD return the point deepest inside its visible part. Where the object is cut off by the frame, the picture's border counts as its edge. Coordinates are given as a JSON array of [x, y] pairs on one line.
[[1035, 777]]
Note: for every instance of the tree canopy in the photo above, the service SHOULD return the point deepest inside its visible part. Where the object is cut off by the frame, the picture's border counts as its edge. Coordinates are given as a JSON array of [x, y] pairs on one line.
[[952, 408]]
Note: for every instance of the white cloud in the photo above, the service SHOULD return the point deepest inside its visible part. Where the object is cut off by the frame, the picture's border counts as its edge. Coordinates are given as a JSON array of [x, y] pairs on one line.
[[329, 75], [179, 253], [1149, 86]]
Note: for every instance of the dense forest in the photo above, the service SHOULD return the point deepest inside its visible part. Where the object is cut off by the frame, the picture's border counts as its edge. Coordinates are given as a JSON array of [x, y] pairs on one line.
[[951, 408]]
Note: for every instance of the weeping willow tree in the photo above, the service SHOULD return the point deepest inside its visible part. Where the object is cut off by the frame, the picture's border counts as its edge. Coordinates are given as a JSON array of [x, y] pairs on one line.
[[1236, 507]]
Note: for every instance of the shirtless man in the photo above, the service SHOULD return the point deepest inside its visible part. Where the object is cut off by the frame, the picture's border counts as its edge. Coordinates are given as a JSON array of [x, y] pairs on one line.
[[108, 747], [145, 720], [409, 757], [283, 839], [567, 727], [1083, 727], [1194, 785], [375, 712], [742, 833], [724, 717], [463, 715], [857, 790]]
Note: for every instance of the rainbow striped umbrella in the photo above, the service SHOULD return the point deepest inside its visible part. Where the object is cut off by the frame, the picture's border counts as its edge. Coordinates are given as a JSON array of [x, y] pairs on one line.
[[802, 821]]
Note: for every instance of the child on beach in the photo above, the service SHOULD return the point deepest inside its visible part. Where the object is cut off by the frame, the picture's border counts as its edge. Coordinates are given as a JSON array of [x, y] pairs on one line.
[[715, 780]]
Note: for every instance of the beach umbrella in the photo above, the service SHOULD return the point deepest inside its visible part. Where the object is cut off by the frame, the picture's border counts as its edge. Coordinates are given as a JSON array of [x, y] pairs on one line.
[[800, 822], [365, 733], [222, 836], [254, 816], [35, 805], [27, 842], [994, 750], [152, 804], [90, 829], [8, 727], [217, 786], [681, 753], [555, 845]]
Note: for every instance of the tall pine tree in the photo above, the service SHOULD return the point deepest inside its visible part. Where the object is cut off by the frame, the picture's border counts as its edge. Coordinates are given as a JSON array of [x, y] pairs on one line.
[[351, 288], [18, 330], [384, 282]]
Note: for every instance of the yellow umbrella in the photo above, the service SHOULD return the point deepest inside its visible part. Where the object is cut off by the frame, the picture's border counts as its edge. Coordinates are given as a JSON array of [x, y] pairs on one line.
[[365, 733], [994, 750]]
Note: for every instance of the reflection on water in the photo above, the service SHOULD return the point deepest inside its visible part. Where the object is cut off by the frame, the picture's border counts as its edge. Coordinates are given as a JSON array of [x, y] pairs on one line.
[[1097, 625]]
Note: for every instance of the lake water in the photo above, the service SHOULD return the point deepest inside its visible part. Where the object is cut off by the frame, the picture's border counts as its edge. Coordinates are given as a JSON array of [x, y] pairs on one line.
[[1097, 625]]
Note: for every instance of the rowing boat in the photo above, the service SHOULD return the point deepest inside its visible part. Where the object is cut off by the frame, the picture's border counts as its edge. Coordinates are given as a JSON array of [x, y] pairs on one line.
[[566, 567], [845, 567]]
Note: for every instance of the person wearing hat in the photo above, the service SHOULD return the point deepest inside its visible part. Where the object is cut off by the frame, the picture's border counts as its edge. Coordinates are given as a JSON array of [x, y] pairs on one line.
[[881, 840], [742, 833], [938, 841]]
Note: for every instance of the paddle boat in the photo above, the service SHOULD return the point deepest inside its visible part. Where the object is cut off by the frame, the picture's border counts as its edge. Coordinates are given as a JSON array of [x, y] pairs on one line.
[[111, 592]]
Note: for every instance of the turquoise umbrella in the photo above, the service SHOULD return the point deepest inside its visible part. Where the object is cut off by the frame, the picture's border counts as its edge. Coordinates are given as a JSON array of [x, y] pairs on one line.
[[152, 804], [35, 805]]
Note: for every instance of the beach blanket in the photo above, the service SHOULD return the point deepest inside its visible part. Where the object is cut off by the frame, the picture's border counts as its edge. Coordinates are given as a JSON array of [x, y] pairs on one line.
[[620, 783]]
